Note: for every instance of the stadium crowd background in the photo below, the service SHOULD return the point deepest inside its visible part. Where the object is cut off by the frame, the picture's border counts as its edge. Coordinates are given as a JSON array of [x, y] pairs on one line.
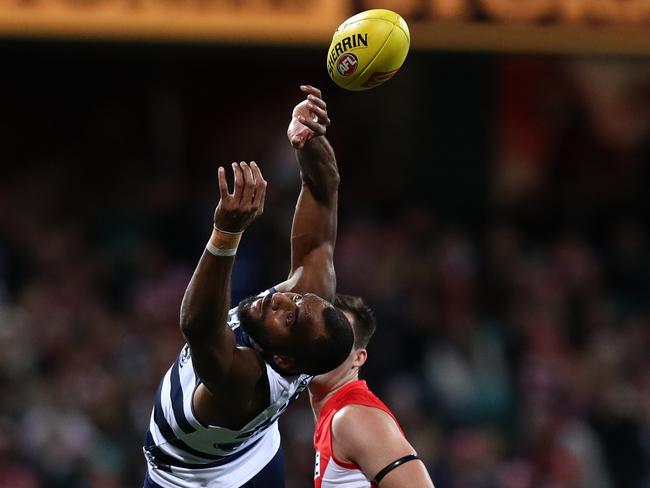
[[493, 212]]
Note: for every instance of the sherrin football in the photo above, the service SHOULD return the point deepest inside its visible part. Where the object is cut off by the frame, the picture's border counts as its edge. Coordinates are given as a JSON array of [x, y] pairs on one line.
[[368, 49]]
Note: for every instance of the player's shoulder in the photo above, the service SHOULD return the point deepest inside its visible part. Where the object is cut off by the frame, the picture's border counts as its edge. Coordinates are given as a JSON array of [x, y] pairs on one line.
[[354, 422], [359, 431], [355, 413]]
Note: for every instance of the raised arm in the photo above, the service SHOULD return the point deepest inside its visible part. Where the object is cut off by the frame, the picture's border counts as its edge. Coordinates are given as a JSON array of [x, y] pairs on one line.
[[205, 305], [313, 234]]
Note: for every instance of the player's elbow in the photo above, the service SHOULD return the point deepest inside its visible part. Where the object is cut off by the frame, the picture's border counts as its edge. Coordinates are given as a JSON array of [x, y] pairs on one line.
[[324, 188], [336, 179], [187, 327], [191, 325], [332, 175], [331, 186], [188, 330], [195, 333]]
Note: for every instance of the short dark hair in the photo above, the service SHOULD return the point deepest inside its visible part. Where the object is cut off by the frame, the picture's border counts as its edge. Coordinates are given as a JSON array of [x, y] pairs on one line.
[[327, 351], [364, 323]]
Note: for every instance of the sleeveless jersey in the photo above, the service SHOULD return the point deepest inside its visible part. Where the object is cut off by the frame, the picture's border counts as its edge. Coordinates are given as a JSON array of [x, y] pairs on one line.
[[330, 472], [183, 452]]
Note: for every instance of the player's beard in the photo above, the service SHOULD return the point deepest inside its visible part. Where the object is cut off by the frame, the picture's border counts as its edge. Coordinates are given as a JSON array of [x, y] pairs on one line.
[[254, 327]]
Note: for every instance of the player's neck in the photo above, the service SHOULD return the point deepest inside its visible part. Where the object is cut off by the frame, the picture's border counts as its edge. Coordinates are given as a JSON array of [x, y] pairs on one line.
[[319, 397]]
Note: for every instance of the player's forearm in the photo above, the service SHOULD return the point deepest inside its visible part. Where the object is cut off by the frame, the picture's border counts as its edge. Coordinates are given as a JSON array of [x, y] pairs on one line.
[[204, 310], [318, 169], [313, 233]]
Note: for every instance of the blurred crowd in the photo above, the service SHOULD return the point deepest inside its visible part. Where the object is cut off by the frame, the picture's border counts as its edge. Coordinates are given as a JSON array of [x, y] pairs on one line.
[[513, 346]]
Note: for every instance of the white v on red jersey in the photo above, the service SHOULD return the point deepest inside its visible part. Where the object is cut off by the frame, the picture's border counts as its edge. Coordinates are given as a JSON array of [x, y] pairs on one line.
[[330, 472]]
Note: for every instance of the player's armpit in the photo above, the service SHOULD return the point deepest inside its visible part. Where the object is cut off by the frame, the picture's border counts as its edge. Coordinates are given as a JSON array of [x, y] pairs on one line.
[[211, 356], [234, 395], [315, 275], [370, 438]]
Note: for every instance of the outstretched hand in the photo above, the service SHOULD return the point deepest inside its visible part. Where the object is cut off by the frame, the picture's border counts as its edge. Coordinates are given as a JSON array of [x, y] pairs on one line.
[[238, 209], [309, 118]]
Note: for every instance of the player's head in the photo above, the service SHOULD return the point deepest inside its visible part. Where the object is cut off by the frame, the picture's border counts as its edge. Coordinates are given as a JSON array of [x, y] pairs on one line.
[[364, 324], [297, 333], [361, 317]]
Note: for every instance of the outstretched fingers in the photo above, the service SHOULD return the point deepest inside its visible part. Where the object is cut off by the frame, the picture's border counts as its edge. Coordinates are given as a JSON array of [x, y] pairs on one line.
[[238, 209], [312, 90], [317, 101], [249, 183], [315, 125], [223, 184], [239, 182], [320, 113], [318, 108], [260, 189]]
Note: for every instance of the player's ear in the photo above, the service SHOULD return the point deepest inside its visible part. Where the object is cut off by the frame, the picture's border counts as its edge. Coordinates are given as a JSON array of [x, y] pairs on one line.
[[284, 362], [360, 356]]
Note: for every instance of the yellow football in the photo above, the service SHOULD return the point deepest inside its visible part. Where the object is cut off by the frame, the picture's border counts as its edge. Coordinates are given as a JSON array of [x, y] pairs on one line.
[[368, 49]]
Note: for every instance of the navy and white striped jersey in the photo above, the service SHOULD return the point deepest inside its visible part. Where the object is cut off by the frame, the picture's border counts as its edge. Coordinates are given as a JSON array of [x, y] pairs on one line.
[[183, 452]]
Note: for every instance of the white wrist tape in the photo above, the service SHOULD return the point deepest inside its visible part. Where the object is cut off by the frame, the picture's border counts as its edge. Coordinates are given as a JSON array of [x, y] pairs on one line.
[[215, 251], [223, 243]]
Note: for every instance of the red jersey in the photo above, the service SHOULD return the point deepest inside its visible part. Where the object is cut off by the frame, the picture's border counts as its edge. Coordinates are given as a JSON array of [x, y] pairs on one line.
[[330, 472]]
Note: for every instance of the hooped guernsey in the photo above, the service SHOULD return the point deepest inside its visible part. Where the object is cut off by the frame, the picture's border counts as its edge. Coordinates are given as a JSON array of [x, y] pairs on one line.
[[330, 472], [183, 452]]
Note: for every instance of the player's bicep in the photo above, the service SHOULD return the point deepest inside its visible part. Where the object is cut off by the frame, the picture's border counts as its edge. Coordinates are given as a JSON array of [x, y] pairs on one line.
[[371, 438], [315, 275], [314, 225], [212, 361]]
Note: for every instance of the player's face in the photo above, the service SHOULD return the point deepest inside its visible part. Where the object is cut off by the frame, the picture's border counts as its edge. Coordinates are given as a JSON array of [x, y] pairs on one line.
[[283, 322]]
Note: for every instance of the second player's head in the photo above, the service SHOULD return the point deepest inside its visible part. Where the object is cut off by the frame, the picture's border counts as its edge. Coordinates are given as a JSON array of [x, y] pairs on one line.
[[297, 333], [361, 317]]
